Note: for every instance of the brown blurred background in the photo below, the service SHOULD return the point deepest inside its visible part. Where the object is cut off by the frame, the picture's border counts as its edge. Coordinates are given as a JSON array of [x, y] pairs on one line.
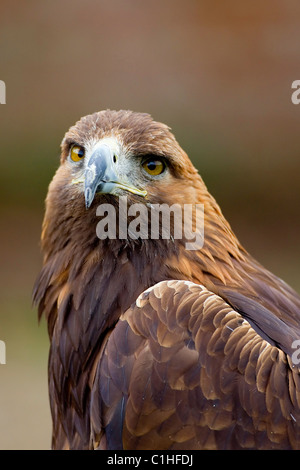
[[219, 73]]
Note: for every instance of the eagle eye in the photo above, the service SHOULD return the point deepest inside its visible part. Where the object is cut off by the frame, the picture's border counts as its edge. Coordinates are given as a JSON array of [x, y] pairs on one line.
[[154, 166], [77, 153]]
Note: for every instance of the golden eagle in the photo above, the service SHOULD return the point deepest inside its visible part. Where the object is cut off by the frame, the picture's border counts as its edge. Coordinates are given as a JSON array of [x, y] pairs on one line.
[[154, 345]]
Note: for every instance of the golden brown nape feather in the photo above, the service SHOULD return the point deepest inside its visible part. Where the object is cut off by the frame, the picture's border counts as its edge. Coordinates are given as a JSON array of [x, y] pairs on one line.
[[152, 345]]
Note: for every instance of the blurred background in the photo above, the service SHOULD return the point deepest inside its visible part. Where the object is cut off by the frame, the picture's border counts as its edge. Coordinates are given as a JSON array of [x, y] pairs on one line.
[[218, 73]]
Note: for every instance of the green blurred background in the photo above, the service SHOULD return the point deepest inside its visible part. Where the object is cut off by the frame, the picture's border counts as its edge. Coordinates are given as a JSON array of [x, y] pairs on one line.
[[219, 73]]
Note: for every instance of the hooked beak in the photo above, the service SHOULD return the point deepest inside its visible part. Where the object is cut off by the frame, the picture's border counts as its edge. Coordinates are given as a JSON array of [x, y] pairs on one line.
[[101, 177]]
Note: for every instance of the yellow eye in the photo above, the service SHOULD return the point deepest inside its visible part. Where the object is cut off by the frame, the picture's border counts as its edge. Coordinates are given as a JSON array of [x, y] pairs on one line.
[[77, 153], [153, 166]]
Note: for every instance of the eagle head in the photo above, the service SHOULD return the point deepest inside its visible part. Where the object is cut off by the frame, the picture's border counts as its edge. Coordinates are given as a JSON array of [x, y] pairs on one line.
[[124, 153]]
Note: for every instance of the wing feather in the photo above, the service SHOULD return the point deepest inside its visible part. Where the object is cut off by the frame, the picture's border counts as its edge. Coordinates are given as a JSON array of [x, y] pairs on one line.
[[183, 370]]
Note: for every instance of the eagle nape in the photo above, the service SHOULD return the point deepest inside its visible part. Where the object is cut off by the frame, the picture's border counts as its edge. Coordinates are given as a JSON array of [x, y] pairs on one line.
[[153, 345]]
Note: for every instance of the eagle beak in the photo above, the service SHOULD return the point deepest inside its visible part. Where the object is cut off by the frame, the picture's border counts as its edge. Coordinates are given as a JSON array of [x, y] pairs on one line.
[[101, 177]]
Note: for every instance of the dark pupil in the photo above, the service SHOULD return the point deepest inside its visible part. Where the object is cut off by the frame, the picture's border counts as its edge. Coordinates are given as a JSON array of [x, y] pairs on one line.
[[152, 166], [80, 153]]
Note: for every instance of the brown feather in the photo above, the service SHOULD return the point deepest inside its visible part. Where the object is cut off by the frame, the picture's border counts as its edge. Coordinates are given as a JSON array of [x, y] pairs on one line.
[[153, 346]]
